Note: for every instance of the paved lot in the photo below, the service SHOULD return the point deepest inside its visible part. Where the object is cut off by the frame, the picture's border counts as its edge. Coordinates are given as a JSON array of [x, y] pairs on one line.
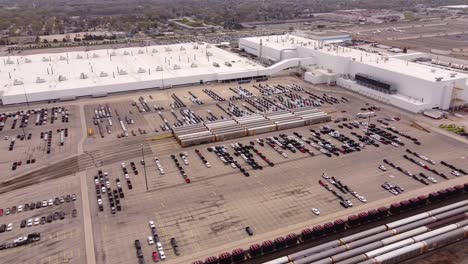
[[210, 214]]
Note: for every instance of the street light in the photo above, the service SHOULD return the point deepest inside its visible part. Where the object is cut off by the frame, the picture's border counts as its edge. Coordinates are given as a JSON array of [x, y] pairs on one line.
[[144, 166]]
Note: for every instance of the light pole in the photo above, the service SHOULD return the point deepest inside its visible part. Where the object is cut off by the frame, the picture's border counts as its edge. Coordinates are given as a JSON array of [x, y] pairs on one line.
[[144, 166]]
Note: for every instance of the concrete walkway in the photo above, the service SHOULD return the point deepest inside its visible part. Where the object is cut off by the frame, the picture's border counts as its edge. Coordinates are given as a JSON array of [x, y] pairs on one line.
[[87, 224]]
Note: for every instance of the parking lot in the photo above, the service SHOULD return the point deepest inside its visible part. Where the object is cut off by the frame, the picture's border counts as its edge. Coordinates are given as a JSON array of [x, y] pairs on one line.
[[220, 201]]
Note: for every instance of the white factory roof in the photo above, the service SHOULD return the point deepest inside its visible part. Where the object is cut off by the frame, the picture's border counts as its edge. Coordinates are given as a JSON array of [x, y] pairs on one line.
[[62, 71], [279, 42]]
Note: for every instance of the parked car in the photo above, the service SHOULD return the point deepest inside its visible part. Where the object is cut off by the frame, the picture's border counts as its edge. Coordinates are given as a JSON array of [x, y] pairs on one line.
[[249, 231], [155, 256], [315, 211]]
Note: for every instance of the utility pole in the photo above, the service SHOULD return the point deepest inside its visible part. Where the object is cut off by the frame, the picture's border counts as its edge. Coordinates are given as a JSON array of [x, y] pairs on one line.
[[144, 166]]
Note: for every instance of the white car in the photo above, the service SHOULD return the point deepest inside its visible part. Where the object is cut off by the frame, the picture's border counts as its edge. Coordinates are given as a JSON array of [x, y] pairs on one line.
[[44, 203], [9, 227], [20, 239], [159, 246], [382, 168], [362, 198], [455, 173], [208, 165], [51, 202], [30, 222], [123, 165], [284, 154], [162, 256], [151, 224], [315, 211], [36, 221], [20, 208], [150, 240]]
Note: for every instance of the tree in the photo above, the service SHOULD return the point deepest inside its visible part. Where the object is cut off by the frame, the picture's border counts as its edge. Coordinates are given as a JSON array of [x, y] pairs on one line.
[[55, 41], [45, 41]]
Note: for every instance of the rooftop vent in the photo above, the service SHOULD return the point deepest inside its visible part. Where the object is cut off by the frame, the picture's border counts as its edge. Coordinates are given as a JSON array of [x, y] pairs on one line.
[[62, 78], [215, 64], [103, 74], [176, 67], [17, 82], [40, 80], [141, 70], [159, 68], [83, 76]]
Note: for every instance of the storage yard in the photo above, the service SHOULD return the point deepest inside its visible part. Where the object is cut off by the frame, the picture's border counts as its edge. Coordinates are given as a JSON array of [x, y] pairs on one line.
[[192, 168]]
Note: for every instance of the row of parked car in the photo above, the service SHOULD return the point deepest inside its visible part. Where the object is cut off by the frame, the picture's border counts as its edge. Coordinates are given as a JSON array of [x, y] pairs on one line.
[[406, 172], [42, 220], [181, 170], [103, 186], [39, 204], [222, 153], [393, 188], [154, 240], [455, 171], [203, 159]]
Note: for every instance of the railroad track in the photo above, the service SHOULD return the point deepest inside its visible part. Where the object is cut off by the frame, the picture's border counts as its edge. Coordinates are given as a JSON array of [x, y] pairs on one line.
[[86, 161]]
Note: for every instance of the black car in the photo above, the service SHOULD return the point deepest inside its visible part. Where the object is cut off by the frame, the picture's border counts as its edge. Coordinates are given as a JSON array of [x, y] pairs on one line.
[[137, 244], [43, 220], [74, 213], [249, 231], [23, 224], [50, 218], [61, 215]]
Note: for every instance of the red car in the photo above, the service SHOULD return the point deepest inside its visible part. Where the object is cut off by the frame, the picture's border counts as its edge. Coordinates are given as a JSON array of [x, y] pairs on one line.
[[1, 212], [155, 256]]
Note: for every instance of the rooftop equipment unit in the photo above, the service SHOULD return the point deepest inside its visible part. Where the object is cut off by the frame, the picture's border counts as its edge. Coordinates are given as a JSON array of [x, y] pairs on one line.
[[83, 76], [44, 59], [17, 82], [122, 72], [95, 55], [141, 70], [140, 52], [62, 78], [167, 49], [438, 79], [216, 64], [182, 48], [194, 65], [9, 61], [79, 56], [113, 53], [63, 58], [126, 53], [27, 60], [159, 68], [176, 67], [103, 74], [40, 80], [154, 51]]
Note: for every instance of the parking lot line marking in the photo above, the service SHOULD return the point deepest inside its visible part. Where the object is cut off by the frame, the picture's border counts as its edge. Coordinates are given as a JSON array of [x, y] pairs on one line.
[[163, 205]]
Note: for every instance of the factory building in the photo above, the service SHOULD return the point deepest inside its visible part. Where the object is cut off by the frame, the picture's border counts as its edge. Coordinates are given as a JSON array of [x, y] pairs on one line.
[[66, 76], [412, 86]]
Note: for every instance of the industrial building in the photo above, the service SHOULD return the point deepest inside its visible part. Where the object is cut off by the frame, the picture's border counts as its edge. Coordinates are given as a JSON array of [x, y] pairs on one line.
[[66, 76], [390, 79]]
